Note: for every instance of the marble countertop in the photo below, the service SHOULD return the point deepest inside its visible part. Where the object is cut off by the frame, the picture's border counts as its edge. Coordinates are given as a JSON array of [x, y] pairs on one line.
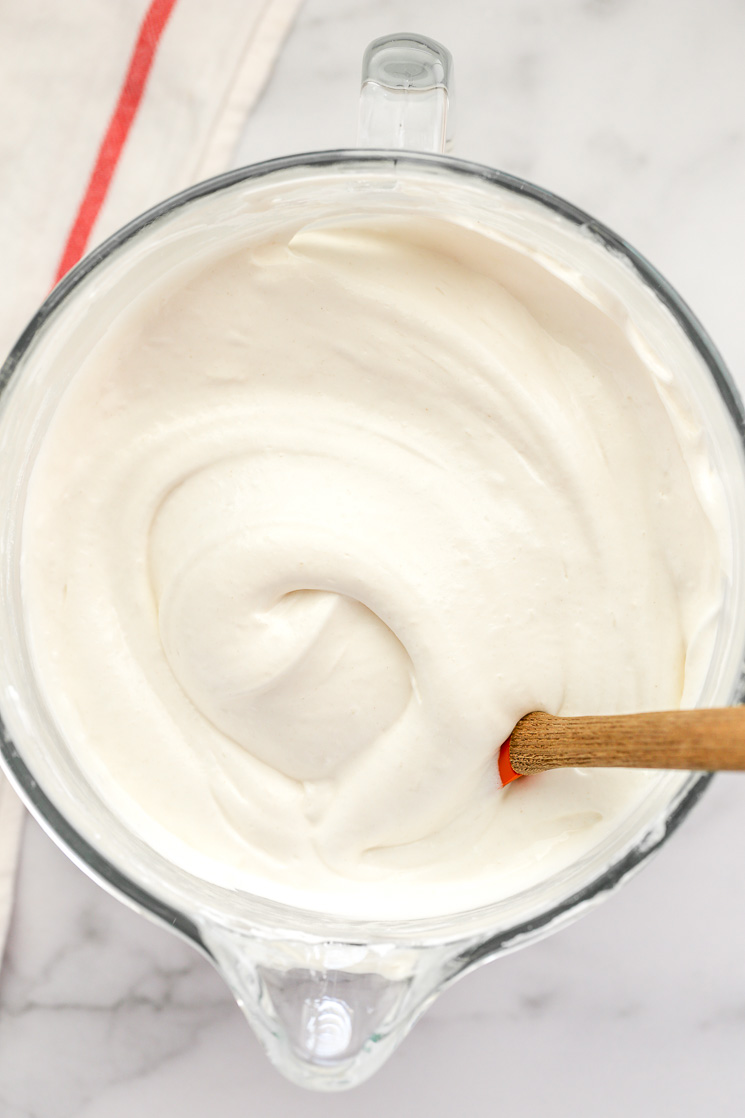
[[634, 110]]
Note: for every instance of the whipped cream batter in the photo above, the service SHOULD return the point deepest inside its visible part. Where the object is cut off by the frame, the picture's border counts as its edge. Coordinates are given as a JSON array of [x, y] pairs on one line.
[[315, 525]]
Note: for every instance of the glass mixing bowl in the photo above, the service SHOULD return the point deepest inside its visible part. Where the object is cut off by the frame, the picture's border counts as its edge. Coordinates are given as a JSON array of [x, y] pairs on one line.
[[330, 998]]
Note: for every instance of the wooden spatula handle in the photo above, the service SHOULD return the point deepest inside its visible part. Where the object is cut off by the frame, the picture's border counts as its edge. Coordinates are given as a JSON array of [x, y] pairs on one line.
[[676, 739]]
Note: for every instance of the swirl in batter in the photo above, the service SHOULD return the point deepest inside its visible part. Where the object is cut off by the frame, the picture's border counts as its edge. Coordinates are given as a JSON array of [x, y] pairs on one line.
[[311, 530]]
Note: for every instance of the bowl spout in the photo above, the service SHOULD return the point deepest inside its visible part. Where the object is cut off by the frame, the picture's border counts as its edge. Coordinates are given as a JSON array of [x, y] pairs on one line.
[[327, 1013]]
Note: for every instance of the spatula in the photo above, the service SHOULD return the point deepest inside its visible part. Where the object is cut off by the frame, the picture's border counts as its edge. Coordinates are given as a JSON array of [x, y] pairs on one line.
[[675, 739]]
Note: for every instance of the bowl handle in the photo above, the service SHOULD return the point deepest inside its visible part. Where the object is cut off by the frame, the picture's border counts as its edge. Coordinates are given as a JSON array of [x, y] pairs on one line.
[[406, 96]]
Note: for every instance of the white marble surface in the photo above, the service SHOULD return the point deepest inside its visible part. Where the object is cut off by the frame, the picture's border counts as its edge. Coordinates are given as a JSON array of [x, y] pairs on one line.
[[634, 109]]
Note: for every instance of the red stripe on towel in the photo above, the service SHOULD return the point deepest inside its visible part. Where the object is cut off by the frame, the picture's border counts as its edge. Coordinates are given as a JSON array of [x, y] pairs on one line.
[[120, 123]]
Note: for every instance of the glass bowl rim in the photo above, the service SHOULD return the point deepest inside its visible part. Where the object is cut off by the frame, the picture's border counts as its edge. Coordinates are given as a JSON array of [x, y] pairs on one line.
[[98, 867]]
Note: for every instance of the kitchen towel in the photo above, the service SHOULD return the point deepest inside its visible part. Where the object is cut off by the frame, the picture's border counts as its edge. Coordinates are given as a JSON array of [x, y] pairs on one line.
[[105, 109]]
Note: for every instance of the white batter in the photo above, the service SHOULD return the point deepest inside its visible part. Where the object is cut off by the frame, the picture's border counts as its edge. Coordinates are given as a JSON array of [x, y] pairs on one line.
[[313, 528]]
